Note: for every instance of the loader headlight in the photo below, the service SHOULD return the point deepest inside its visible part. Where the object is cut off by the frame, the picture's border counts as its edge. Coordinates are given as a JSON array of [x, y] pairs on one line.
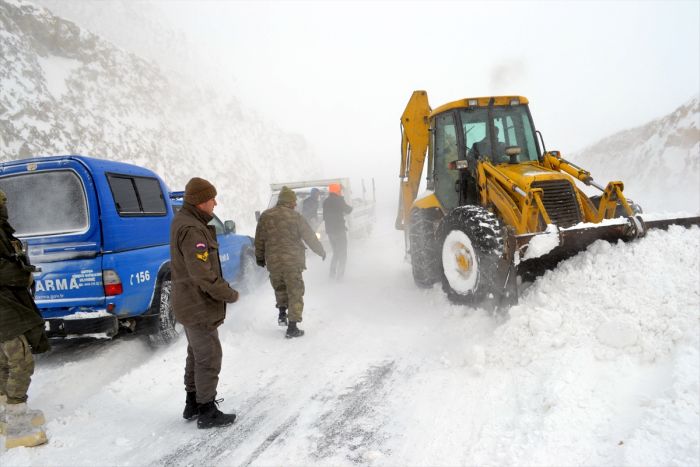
[[515, 102], [473, 102], [459, 164]]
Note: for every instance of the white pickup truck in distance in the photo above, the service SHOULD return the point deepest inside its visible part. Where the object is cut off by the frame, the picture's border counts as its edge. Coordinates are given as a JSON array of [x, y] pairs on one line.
[[360, 221]]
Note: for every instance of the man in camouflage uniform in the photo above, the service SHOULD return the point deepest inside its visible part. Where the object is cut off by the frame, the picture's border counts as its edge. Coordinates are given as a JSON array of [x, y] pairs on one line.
[[21, 334], [279, 245], [199, 297]]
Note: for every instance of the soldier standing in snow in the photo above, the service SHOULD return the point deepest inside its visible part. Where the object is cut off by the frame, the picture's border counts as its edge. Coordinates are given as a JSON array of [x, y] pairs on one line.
[[199, 297], [334, 210], [278, 244], [310, 207], [21, 334]]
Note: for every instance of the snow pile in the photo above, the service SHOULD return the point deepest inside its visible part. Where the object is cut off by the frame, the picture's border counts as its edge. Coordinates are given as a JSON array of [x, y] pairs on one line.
[[610, 324], [603, 355]]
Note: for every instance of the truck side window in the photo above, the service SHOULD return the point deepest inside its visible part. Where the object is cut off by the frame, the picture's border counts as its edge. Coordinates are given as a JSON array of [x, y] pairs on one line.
[[136, 196]]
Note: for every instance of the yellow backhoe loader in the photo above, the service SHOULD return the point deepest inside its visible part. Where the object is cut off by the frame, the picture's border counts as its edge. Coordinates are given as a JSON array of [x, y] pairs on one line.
[[497, 204]]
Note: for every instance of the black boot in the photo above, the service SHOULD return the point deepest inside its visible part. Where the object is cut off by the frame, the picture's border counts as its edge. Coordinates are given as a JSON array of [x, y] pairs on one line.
[[211, 417], [282, 318], [293, 330], [191, 407]]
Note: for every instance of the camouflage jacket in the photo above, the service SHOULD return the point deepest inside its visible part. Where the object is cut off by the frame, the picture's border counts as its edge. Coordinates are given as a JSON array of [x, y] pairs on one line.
[[280, 238], [199, 291]]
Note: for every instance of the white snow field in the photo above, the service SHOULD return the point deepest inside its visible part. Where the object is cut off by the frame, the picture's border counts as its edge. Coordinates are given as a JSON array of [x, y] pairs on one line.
[[597, 365]]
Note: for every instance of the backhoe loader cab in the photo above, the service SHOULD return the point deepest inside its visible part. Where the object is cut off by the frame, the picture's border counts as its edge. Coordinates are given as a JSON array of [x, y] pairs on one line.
[[497, 204], [475, 134]]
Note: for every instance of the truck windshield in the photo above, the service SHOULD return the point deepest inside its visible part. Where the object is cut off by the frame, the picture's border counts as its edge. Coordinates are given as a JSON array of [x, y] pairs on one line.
[[511, 127], [46, 203]]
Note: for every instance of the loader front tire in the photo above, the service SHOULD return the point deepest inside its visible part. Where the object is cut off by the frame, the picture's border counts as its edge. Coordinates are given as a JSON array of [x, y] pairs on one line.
[[472, 248], [423, 245]]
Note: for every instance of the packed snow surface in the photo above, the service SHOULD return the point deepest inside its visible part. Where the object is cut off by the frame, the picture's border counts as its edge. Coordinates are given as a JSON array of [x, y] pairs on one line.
[[597, 365]]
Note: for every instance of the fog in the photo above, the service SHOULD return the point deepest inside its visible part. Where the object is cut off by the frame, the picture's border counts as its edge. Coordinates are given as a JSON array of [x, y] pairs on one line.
[[341, 73]]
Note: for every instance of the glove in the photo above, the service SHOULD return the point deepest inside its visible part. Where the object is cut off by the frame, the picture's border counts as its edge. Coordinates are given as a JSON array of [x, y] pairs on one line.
[[260, 262]]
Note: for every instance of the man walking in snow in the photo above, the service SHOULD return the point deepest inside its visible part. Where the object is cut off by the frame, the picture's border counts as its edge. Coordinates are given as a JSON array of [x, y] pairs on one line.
[[199, 297], [21, 334], [334, 210], [279, 245]]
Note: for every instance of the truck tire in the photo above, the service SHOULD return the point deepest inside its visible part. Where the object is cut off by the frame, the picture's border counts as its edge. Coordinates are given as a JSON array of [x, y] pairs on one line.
[[251, 274], [423, 246], [168, 329], [472, 248]]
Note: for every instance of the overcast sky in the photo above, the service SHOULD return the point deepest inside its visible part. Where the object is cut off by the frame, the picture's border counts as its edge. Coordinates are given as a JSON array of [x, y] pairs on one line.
[[341, 73]]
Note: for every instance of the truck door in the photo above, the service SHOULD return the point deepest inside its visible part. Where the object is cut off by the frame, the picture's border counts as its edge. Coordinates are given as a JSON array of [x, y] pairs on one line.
[[230, 246], [445, 150]]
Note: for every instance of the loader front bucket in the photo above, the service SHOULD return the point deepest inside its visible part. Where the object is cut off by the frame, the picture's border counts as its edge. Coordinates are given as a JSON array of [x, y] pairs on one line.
[[535, 253]]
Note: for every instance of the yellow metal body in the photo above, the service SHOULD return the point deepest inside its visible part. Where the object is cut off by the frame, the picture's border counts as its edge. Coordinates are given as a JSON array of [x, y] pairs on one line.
[[505, 189]]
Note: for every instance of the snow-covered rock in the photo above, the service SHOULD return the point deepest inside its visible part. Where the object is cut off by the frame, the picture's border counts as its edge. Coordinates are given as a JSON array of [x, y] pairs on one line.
[[65, 90], [659, 162]]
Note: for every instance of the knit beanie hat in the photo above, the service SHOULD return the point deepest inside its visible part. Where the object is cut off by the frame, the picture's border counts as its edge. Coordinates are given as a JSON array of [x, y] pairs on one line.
[[198, 191], [287, 196]]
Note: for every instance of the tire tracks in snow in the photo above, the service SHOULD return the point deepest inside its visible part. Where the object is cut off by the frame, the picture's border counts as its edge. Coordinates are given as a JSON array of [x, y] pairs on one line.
[[355, 423], [351, 422]]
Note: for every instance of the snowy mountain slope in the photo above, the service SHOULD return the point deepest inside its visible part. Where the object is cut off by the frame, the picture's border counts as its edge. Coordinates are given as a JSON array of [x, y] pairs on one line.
[[65, 90], [597, 365], [663, 154], [137, 27]]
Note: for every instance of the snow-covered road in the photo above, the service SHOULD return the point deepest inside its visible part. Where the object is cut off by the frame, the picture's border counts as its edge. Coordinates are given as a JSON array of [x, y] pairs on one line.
[[598, 365]]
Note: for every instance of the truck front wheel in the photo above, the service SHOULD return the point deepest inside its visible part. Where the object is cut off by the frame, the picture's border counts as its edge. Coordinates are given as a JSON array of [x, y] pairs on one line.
[[472, 247]]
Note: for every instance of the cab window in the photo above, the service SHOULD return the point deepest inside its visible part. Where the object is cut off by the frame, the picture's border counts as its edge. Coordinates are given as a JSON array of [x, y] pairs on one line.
[[46, 203], [136, 196]]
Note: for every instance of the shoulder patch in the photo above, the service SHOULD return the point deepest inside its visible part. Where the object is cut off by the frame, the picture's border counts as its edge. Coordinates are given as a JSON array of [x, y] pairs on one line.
[[201, 246], [203, 256]]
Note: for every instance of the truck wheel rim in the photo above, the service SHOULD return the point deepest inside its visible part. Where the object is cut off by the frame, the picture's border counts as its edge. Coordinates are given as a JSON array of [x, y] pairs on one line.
[[459, 262]]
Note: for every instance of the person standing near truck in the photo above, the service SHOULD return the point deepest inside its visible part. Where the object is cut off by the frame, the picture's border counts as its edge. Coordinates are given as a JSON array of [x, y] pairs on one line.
[[279, 245], [21, 334], [334, 211], [199, 297], [309, 207]]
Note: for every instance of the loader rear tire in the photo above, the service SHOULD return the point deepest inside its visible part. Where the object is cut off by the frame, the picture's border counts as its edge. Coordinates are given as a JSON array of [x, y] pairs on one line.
[[424, 248], [472, 248]]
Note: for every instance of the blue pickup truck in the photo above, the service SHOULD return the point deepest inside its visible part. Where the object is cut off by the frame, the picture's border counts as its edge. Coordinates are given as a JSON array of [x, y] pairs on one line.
[[99, 231]]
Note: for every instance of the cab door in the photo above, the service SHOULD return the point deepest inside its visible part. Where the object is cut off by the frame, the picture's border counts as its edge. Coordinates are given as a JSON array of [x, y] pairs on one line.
[[445, 150]]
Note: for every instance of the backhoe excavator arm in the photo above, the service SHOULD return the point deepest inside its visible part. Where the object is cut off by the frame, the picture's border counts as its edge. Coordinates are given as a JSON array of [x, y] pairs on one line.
[[415, 135]]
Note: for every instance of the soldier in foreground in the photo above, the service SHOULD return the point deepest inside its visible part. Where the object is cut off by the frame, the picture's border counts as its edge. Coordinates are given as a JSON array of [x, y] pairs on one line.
[[21, 334], [199, 298], [279, 245]]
